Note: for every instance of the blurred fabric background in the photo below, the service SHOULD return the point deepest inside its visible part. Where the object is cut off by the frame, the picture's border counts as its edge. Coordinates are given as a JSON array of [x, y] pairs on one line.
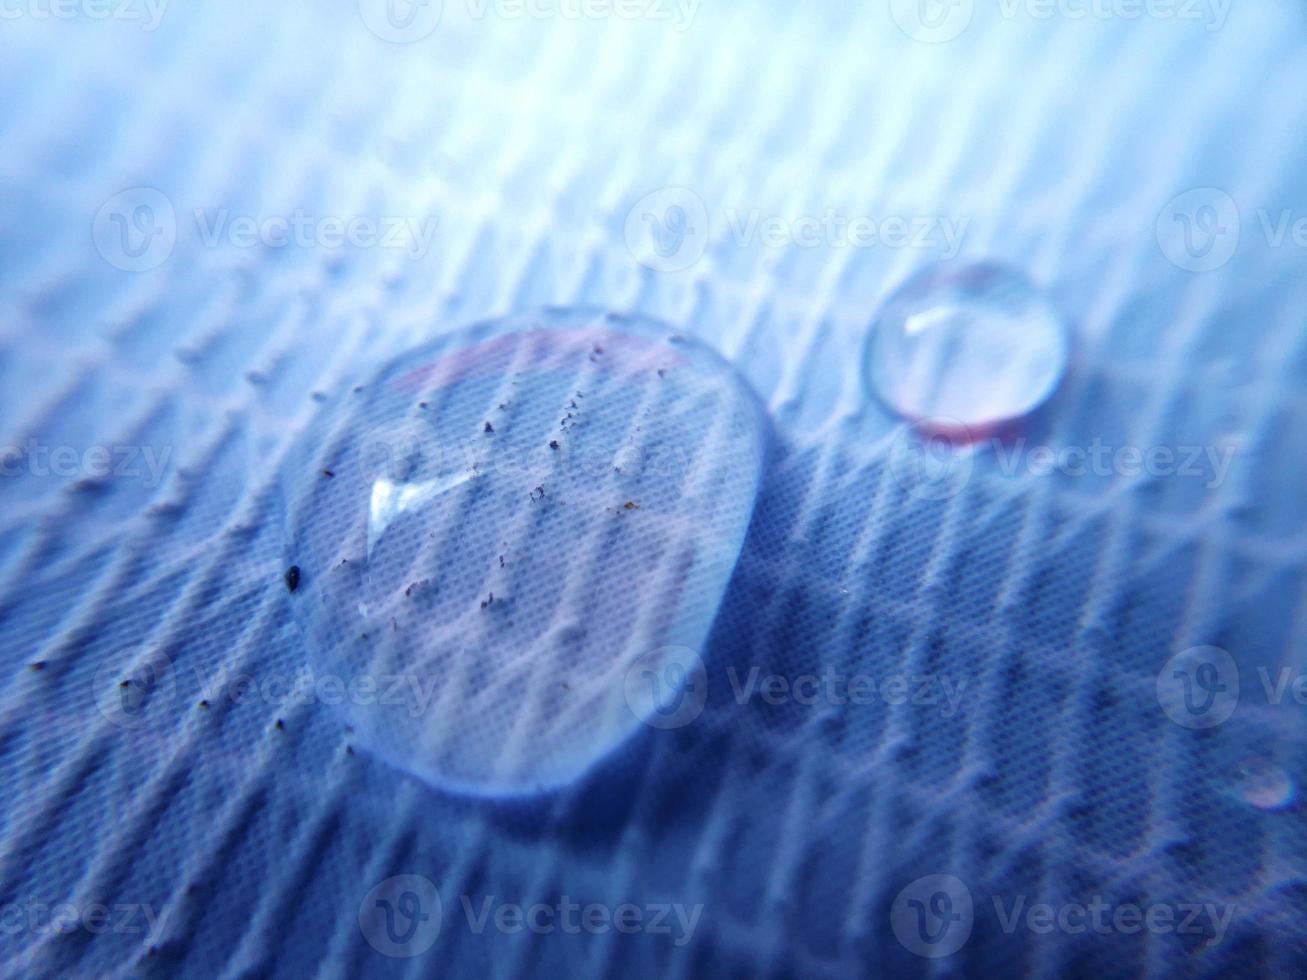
[[184, 279]]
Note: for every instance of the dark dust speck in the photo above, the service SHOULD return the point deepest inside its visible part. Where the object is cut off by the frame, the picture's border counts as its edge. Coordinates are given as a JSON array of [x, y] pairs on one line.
[[281, 725], [422, 404], [489, 427], [553, 443], [204, 703], [630, 505], [501, 561], [488, 600], [37, 665], [328, 474], [357, 389], [293, 578]]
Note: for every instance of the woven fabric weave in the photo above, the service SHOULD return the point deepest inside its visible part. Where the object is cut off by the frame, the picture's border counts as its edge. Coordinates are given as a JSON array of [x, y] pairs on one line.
[[500, 159]]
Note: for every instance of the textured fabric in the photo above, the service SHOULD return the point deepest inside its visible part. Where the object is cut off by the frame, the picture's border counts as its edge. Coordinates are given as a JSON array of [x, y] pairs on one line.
[[508, 163]]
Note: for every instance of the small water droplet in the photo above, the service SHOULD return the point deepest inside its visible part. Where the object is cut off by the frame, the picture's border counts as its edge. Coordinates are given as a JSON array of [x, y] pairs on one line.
[[451, 660], [977, 345], [1263, 784]]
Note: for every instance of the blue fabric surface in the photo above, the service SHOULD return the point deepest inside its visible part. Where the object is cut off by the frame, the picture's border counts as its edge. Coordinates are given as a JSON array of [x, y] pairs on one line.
[[507, 163]]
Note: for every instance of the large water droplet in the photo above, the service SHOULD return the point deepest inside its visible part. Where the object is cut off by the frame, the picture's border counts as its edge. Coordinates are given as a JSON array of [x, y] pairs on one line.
[[1261, 783], [505, 525], [975, 344]]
